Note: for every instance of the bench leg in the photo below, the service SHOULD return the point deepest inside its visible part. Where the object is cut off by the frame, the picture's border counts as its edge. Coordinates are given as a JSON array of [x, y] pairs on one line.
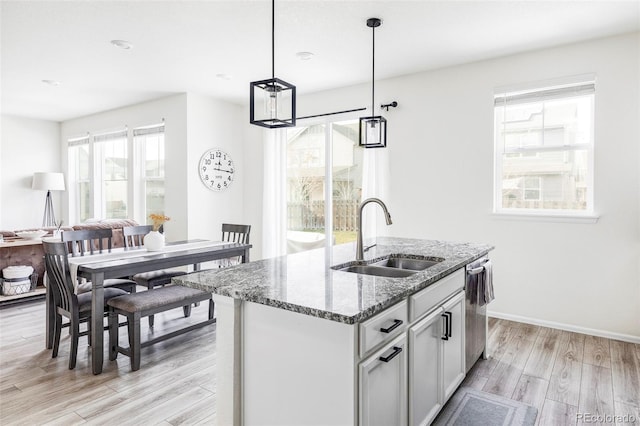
[[134, 340], [113, 335]]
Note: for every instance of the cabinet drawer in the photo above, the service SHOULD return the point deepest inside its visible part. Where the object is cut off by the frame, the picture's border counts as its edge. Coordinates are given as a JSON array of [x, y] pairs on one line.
[[432, 296], [383, 327]]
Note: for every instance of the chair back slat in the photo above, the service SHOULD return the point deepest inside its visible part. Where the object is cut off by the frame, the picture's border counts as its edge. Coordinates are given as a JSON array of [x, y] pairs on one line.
[[88, 240], [134, 235], [57, 267], [236, 233]]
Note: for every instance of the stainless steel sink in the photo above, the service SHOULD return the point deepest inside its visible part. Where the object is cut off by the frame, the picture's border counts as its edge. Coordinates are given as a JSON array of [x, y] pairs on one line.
[[379, 271], [408, 263], [393, 266]]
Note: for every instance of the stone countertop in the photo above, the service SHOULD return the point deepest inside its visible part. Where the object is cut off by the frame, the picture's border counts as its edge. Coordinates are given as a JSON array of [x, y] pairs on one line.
[[305, 283]]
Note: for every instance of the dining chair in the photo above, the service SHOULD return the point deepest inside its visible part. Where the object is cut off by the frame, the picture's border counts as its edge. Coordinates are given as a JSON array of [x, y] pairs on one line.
[[94, 241], [134, 238], [235, 234], [66, 303]]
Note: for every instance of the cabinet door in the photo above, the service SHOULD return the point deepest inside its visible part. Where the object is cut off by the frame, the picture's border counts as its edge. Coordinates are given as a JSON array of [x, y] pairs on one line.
[[453, 370], [425, 359], [383, 385]]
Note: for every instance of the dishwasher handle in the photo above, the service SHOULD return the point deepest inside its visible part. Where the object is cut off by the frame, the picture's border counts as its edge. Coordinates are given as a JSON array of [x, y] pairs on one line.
[[475, 271]]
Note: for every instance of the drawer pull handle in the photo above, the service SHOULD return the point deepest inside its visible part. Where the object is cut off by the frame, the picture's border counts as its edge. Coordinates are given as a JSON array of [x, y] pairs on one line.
[[396, 323], [396, 351]]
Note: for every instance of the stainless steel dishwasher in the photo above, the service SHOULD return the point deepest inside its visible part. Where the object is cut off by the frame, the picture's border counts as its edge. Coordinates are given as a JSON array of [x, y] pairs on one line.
[[475, 313]]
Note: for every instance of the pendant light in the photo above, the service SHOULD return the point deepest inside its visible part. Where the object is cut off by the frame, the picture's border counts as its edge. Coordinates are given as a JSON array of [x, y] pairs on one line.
[[373, 129], [272, 101]]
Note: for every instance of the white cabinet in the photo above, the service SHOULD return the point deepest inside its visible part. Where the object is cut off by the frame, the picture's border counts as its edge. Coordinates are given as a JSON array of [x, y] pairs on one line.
[[383, 385], [436, 360], [453, 365], [425, 374]]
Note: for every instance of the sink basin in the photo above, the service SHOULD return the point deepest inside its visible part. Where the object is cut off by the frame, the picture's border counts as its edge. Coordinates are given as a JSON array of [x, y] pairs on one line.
[[379, 271], [393, 266], [408, 263]]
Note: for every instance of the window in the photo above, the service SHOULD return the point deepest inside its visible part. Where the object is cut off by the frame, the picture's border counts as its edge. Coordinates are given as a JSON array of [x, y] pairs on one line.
[[313, 189], [544, 150], [117, 175], [112, 167], [80, 178], [149, 145]]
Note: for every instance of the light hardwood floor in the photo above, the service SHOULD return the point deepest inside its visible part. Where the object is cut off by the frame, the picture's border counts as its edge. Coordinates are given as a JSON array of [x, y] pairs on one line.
[[570, 378], [560, 373]]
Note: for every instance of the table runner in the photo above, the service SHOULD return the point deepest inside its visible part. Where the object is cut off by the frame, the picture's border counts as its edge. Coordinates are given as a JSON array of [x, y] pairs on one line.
[[121, 253]]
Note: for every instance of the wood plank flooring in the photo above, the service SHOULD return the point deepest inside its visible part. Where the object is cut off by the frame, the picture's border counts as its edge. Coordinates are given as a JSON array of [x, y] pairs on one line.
[[562, 374], [570, 378]]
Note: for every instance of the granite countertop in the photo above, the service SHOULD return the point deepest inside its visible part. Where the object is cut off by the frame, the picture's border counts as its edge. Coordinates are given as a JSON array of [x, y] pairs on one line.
[[305, 283]]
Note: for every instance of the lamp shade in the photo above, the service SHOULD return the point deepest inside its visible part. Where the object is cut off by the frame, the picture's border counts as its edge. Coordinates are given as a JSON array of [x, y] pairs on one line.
[[48, 181]]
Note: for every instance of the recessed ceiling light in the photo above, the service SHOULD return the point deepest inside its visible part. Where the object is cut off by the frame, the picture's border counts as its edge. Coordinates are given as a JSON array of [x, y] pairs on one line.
[[223, 76], [304, 56], [122, 44], [51, 82]]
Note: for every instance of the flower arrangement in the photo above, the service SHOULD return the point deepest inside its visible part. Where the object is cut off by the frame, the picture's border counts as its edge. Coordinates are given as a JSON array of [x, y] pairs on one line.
[[158, 220]]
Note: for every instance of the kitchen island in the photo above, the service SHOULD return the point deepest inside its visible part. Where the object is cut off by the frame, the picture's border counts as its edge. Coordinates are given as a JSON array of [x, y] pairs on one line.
[[298, 341]]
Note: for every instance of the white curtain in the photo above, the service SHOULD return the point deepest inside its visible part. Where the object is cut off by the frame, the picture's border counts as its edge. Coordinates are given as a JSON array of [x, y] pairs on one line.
[[375, 178], [274, 195]]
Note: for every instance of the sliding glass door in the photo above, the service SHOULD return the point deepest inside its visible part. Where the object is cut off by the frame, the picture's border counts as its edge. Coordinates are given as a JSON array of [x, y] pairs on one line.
[[323, 184]]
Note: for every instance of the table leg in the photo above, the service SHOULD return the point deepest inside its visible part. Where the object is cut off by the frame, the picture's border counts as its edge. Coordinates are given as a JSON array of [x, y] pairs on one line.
[[50, 317], [97, 315]]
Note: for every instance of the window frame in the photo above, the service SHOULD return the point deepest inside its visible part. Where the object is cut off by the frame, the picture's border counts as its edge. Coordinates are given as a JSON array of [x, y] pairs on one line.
[[135, 175], [555, 90]]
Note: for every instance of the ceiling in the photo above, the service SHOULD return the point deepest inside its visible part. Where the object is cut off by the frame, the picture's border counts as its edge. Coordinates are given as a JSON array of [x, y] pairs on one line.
[[182, 46]]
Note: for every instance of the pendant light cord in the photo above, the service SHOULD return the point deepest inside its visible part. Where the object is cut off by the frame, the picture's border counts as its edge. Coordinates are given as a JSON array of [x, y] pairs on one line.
[[273, 37], [373, 70]]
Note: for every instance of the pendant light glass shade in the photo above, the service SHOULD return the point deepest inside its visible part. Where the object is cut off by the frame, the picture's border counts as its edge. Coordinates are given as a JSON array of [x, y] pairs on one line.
[[272, 101], [373, 129]]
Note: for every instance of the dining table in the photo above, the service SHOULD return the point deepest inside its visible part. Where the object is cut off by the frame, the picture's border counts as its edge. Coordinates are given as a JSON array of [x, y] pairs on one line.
[[122, 262]]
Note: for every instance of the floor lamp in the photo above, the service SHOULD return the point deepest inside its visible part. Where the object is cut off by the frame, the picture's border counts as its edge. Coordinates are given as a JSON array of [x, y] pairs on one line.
[[48, 182]]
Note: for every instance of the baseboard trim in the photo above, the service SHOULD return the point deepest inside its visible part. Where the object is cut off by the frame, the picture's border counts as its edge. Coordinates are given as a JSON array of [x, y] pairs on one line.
[[567, 327]]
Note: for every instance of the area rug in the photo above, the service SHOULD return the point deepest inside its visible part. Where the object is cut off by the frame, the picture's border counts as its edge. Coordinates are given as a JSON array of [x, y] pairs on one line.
[[474, 408]]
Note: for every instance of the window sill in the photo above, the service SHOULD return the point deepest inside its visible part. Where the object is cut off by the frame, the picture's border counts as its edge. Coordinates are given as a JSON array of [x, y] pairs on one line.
[[547, 217]]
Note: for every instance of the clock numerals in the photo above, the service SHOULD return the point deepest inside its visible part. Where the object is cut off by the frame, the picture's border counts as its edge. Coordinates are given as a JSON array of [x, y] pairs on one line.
[[220, 165]]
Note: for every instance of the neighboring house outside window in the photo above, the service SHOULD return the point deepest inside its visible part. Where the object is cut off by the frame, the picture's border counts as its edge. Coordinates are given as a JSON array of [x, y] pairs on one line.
[[544, 150], [117, 175]]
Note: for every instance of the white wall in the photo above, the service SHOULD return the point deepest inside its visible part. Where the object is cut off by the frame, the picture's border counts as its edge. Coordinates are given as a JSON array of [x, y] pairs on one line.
[[213, 124], [27, 146], [576, 276]]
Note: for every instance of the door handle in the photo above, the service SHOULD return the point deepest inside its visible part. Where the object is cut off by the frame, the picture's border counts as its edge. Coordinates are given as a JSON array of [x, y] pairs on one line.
[[449, 323], [396, 351], [396, 323]]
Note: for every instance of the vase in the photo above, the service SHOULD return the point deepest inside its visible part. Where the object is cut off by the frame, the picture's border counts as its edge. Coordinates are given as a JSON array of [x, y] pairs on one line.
[[154, 241]]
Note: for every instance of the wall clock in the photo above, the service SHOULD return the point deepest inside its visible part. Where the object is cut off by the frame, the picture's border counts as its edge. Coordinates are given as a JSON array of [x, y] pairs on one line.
[[216, 169]]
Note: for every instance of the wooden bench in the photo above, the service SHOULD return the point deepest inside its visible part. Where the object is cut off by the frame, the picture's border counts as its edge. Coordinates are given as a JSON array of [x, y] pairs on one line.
[[137, 305]]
